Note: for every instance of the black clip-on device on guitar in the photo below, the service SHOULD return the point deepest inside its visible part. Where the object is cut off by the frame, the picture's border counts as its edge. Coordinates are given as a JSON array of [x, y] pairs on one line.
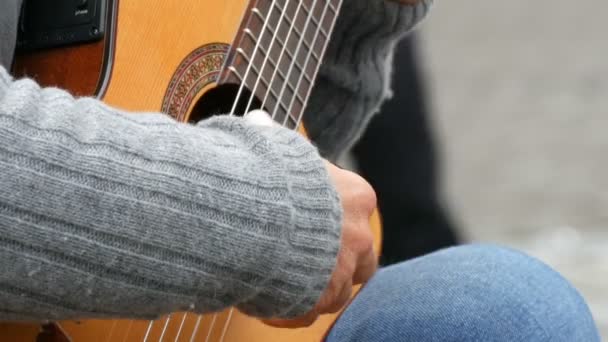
[[46, 24]]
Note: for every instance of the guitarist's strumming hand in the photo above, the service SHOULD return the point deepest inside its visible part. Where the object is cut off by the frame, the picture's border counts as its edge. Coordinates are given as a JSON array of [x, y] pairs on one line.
[[356, 261]]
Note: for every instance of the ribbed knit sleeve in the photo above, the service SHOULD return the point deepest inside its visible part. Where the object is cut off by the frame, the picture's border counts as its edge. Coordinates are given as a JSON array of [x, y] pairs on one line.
[[354, 78], [104, 213]]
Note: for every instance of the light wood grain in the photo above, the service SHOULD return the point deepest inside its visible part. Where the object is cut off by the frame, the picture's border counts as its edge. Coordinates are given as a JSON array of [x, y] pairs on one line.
[[153, 37]]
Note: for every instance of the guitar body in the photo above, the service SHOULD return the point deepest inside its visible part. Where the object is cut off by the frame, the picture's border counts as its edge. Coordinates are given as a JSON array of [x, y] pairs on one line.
[[156, 56]]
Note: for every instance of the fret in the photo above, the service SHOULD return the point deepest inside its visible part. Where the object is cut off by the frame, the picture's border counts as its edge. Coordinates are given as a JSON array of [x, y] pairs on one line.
[[280, 115], [316, 21], [291, 67], [294, 75], [236, 73], [295, 29], [312, 14], [332, 8], [303, 39], [316, 36], [332, 23], [272, 61], [265, 82], [255, 69], [289, 38], [279, 32]]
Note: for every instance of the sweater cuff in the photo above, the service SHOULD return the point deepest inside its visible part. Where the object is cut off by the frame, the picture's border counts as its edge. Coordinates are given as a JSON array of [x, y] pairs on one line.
[[355, 76], [297, 280], [379, 21], [366, 31]]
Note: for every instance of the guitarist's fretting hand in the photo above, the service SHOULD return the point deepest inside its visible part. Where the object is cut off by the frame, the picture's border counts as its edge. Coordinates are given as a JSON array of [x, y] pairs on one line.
[[357, 261]]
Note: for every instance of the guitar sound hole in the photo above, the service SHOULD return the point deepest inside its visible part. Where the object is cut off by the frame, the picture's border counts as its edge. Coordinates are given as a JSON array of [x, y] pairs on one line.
[[219, 101]]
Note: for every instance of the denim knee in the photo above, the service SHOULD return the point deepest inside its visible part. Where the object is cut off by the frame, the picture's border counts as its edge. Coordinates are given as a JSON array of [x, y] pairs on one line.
[[530, 296], [468, 293]]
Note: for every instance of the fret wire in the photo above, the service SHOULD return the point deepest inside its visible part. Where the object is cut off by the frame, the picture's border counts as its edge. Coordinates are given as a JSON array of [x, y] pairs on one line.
[[274, 63], [255, 50], [279, 103], [333, 23], [290, 21], [265, 82], [333, 8], [236, 73], [289, 54], [308, 57], [325, 34], [281, 55], [296, 54], [308, 46], [299, 46], [268, 58]]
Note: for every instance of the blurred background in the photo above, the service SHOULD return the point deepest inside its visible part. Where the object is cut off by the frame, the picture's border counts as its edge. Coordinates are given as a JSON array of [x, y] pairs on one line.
[[518, 97]]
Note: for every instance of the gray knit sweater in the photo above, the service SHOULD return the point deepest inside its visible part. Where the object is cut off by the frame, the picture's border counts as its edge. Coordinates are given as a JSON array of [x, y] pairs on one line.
[[107, 214]]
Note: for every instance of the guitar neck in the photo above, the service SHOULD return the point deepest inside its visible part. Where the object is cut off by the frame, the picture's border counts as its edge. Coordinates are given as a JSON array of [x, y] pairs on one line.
[[277, 52]]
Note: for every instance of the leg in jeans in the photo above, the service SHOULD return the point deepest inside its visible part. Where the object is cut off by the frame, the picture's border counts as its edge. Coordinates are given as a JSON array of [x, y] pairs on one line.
[[469, 293]]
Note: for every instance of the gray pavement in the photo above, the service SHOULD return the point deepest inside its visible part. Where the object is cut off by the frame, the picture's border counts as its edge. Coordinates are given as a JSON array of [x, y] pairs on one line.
[[520, 93]]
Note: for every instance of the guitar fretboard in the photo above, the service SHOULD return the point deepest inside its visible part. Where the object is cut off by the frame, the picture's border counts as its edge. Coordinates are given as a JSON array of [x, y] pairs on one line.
[[277, 53]]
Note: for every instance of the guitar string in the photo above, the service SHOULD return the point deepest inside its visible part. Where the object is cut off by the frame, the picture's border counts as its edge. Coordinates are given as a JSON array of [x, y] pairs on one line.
[[148, 330], [327, 39], [211, 328], [195, 330], [181, 326], [255, 50], [297, 86], [269, 51], [281, 55], [311, 52], [290, 70], [162, 334]]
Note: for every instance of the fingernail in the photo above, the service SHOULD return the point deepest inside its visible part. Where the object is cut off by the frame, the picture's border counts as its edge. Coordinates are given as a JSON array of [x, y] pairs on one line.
[[259, 117]]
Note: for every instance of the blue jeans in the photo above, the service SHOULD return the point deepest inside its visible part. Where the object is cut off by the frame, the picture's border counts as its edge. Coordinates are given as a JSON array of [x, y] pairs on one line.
[[469, 293]]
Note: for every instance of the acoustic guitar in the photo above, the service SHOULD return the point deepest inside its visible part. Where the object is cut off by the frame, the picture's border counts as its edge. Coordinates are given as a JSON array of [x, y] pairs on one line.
[[189, 59]]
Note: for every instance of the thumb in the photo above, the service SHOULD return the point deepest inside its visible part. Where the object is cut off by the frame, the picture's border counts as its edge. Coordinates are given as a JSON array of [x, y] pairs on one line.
[[259, 117]]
